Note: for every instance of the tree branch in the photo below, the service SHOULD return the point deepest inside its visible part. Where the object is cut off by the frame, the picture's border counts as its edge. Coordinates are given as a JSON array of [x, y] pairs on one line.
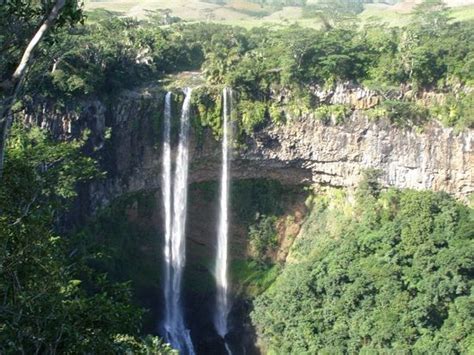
[[20, 70], [6, 118]]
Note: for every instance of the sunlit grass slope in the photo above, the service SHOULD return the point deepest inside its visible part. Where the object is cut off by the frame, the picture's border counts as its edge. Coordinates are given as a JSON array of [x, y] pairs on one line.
[[247, 14]]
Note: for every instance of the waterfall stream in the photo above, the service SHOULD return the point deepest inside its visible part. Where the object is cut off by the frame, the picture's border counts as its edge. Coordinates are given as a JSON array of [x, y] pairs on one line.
[[175, 207], [221, 272], [166, 194]]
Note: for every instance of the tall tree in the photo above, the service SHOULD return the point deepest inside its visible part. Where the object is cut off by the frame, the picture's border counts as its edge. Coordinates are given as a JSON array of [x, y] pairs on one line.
[[331, 12], [27, 23]]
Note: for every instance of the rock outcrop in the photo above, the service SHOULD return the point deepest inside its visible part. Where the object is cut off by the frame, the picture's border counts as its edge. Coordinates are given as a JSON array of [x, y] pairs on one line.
[[436, 158], [303, 151]]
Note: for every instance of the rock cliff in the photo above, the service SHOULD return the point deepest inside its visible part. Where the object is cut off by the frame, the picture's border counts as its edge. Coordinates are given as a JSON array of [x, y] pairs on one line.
[[302, 151]]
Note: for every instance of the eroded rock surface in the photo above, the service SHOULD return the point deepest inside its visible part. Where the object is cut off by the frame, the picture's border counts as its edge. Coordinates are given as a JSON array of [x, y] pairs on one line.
[[303, 151], [436, 158]]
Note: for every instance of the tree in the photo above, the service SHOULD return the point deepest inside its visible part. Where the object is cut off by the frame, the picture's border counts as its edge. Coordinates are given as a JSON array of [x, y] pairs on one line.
[[431, 16], [52, 301], [331, 12], [48, 14], [393, 274], [162, 17]]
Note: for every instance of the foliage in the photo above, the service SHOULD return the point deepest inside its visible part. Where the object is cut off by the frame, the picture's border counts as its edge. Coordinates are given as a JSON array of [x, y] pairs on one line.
[[393, 273], [457, 110], [125, 241], [110, 54], [400, 113], [332, 113], [334, 12], [263, 237], [19, 21], [208, 104], [53, 302], [253, 277], [255, 61], [125, 344], [255, 197], [161, 17], [369, 186], [253, 114]]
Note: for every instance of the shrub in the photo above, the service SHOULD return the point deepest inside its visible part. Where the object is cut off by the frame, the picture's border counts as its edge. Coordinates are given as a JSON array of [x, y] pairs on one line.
[[332, 113], [404, 113], [457, 111], [253, 115], [263, 237]]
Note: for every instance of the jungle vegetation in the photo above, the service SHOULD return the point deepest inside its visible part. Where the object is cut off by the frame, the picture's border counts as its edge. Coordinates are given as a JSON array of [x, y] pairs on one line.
[[391, 272], [394, 274], [433, 53]]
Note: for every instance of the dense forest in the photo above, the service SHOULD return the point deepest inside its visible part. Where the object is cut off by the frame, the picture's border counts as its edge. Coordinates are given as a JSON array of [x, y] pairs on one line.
[[383, 270], [388, 272]]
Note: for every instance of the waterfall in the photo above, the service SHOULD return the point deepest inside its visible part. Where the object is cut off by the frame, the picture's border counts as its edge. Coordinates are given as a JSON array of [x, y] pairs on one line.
[[221, 274], [175, 206], [166, 195]]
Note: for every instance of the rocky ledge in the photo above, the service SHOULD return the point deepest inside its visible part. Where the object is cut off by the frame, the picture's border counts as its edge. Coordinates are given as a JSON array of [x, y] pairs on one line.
[[302, 151], [308, 151]]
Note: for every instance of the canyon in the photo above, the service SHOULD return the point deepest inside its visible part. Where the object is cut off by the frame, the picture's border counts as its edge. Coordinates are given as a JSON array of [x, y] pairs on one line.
[[125, 136]]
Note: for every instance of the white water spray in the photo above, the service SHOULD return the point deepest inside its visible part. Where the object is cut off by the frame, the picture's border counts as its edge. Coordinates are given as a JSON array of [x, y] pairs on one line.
[[175, 206], [222, 282]]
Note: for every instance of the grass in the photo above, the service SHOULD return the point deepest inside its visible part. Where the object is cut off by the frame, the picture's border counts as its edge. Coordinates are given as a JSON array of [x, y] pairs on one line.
[[190, 10], [464, 13], [246, 14], [384, 13], [252, 277]]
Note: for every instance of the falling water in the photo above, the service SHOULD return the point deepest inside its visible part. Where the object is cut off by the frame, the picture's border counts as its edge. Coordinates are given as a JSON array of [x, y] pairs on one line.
[[166, 195], [174, 251], [222, 299]]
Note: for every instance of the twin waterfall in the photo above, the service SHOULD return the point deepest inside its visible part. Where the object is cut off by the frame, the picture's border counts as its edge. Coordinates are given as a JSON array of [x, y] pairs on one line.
[[174, 194]]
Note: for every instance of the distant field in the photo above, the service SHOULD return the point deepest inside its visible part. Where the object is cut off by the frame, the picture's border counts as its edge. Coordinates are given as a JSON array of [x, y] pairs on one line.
[[186, 9], [248, 14], [464, 13], [400, 15]]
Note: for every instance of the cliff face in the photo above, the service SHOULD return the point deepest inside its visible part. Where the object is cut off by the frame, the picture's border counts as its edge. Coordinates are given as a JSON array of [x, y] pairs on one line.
[[436, 159], [302, 151]]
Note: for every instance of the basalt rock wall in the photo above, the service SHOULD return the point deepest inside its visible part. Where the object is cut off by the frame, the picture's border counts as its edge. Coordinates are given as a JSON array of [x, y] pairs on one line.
[[125, 135]]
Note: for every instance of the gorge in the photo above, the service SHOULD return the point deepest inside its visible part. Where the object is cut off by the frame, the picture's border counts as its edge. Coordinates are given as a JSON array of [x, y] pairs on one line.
[[301, 152], [233, 186]]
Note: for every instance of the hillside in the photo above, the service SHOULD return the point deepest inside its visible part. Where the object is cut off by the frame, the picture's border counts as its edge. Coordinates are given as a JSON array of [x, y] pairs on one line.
[[249, 14]]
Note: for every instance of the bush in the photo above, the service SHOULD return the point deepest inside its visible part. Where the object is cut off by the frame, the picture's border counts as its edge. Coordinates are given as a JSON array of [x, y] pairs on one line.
[[457, 111], [253, 115], [333, 113], [263, 237], [404, 113], [209, 110]]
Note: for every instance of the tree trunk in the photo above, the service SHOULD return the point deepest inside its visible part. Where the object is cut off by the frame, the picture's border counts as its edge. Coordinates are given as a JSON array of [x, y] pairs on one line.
[[7, 115]]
